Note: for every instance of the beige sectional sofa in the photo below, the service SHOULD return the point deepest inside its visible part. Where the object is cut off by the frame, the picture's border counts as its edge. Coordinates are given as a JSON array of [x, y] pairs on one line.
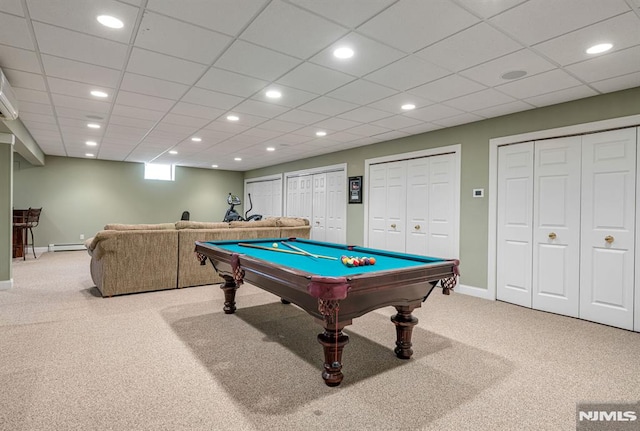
[[146, 257]]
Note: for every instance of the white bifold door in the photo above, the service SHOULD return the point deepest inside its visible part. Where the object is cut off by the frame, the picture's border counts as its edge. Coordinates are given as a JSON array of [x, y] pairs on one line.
[[566, 226]]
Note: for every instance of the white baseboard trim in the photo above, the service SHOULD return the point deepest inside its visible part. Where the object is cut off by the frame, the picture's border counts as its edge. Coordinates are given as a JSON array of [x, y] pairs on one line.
[[475, 291], [63, 247], [6, 284]]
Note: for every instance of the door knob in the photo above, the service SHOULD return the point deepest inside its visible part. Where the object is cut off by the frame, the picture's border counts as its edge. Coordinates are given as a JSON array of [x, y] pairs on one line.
[[393, 226], [417, 227], [317, 222], [609, 239], [552, 235]]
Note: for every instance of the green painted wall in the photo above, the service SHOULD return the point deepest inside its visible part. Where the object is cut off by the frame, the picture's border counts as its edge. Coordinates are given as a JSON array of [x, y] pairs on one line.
[[6, 162], [80, 196], [474, 139]]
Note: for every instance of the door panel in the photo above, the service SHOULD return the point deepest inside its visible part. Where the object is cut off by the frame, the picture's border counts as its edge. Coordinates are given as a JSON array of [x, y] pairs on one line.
[[319, 205], [336, 203], [556, 234], [418, 206], [396, 202], [514, 223], [441, 206], [608, 227], [377, 206]]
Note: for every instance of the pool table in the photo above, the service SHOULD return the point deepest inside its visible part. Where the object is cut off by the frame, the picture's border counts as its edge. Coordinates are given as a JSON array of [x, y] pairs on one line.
[[311, 274]]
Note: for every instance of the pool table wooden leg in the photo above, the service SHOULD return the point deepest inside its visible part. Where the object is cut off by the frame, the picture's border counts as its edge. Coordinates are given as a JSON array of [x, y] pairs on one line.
[[229, 287], [333, 341], [404, 322]]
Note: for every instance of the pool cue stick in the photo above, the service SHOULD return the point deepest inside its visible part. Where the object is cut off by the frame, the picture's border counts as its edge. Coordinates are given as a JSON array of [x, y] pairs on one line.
[[244, 244], [298, 249]]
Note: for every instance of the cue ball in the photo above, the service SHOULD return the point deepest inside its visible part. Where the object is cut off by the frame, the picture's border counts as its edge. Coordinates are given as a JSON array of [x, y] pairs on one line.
[[275, 245]]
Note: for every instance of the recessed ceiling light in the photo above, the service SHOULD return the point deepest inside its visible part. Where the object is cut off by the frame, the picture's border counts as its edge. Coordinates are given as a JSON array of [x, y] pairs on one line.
[[408, 106], [98, 93], [237, 159], [93, 126], [273, 94], [91, 143], [173, 152], [321, 133], [233, 118], [514, 74], [597, 49], [214, 166], [343, 52], [89, 155], [110, 21], [196, 139], [270, 149]]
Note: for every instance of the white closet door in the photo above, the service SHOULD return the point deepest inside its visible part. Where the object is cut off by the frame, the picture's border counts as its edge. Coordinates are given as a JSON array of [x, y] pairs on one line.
[[442, 206], [418, 202], [515, 223], [319, 205], [608, 227], [387, 205], [556, 221], [336, 207]]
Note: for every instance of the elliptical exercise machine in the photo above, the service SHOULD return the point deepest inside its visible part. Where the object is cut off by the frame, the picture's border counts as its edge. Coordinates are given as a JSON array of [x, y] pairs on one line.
[[232, 214]]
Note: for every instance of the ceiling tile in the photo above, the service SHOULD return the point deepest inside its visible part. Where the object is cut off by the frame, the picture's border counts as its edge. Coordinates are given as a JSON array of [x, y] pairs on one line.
[[407, 73], [137, 100], [470, 47], [261, 109], [228, 17], [21, 59], [14, 32], [457, 120], [336, 124], [300, 117], [542, 83], [78, 89], [561, 96], [328, 106], [446, 88], [81, 47], [152, 86], [607, 66], [559, 17], [361, 92], [280, 125], [507, 108], [28, 95], [132, 112], [291, 97], [230, 83], [162, 66], [212, 99], [480, 100], [396, 122], [365, 114], [80, 15], [199, 111], [12, 6], [433, 113], [252, 60], [348, 13], [169, 36], [368, 57], [618, 83], [623, 31], [412, 25], [35, 108], [82, 72], [314, 78], [281, 26], [19, 79], [490, 73], [488, 8]]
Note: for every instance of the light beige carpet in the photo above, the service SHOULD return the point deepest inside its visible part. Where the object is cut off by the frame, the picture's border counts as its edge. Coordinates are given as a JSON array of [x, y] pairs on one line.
[[172, 360]]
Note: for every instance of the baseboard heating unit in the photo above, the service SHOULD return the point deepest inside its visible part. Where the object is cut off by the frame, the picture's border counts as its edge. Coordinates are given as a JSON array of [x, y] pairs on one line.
[[66, 247]]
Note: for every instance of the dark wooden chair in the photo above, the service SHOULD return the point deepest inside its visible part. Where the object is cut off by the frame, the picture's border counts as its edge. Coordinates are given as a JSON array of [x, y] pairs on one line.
[[26, 225]]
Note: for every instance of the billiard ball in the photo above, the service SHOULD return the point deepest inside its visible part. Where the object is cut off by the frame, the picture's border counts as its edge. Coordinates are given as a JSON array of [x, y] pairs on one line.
[[274, 245], [372, 260]]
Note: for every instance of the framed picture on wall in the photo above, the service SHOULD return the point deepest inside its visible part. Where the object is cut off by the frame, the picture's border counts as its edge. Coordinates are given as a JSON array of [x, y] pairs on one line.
[[355, 190]]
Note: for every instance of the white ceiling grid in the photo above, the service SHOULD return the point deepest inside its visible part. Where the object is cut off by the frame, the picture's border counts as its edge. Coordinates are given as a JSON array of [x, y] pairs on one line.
[[177, 69]]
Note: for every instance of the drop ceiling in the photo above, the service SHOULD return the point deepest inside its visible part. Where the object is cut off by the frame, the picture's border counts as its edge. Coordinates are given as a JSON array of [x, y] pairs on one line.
[[178, 69]]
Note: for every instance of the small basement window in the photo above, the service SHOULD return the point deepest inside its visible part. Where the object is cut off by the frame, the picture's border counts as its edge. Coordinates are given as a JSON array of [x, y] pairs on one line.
[[156, 171]]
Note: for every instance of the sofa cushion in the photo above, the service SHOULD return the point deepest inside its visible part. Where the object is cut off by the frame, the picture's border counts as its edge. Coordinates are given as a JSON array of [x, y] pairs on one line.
[[201, 225], [291, 221], [157, 226], [269, 222]]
